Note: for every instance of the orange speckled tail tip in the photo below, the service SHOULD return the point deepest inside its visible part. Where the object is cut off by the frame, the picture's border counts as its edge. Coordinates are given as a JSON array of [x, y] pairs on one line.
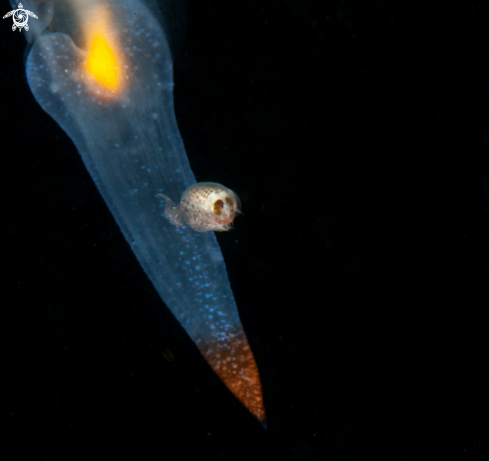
[[234, 363]]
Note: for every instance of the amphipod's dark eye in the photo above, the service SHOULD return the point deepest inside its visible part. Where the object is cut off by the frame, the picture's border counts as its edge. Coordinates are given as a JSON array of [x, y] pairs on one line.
[[218, 204], [229, 202]]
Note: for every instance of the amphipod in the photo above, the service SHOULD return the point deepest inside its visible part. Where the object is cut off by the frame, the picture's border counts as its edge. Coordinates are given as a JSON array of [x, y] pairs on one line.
[[205, 206]]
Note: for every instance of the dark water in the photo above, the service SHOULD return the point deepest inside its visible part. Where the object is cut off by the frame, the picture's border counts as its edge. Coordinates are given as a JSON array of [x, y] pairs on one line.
[[356, 136]]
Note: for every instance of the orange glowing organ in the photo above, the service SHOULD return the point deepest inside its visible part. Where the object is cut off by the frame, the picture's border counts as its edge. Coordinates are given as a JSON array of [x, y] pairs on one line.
[[101, 62], [110, 87]]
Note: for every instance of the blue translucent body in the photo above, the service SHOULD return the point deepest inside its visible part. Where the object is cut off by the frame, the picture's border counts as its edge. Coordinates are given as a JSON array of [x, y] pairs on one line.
[[133, 150]]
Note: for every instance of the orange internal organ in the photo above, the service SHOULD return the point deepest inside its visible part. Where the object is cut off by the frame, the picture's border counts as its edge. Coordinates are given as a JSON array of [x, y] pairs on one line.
[[101, 62], [233, 362]]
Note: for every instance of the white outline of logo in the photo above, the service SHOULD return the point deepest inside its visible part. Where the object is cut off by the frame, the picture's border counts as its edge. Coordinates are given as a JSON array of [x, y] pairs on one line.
[[20, 17]]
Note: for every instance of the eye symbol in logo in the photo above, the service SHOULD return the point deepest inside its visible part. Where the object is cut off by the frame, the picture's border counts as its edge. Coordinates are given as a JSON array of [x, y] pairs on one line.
[[20, 17]]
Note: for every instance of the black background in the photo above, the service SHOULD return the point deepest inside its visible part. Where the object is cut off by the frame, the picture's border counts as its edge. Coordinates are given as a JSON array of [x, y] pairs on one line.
[[356, 135]]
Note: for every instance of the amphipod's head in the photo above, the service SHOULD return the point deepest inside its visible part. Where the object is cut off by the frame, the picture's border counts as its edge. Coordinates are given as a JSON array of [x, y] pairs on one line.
[[208, 206]]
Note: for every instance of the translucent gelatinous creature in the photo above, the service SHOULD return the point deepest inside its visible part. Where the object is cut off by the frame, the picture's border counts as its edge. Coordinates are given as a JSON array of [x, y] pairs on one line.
[[102, 69]]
